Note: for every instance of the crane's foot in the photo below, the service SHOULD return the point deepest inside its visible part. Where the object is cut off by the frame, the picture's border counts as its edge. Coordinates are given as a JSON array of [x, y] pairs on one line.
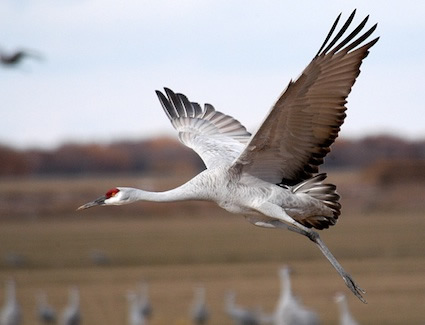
[[354, 287]]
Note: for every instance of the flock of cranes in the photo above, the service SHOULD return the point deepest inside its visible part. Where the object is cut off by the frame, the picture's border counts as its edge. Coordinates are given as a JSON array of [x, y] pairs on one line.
[[11, 314], [289, 309]]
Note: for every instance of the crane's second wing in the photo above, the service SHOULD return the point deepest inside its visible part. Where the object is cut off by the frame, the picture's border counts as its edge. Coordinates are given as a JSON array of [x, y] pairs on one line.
[[298, 131], [217, 138]]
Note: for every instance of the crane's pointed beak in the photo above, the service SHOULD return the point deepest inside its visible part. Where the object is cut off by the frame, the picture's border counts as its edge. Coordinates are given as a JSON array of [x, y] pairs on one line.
[[97, 202]]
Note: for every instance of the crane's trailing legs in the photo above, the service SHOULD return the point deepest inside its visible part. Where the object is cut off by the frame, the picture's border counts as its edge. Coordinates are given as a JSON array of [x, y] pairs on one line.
[[315, 238], [283, 220]]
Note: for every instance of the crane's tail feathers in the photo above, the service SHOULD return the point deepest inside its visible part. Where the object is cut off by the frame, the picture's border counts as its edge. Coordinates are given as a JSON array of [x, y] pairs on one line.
[[325, 193]]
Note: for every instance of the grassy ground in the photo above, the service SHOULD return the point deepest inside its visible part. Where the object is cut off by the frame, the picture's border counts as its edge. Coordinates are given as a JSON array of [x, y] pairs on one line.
[[175, 247]]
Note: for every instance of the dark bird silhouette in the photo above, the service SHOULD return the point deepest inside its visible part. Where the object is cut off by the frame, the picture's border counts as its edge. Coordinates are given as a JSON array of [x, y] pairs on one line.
[[16, 57]]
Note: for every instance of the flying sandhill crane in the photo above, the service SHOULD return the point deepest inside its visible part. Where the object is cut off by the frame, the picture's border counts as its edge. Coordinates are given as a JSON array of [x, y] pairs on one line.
[[45, 312], [71, 315], [289, 309], [10, 314], [345, 317], [16, 57], [269, 176], [134, 316], [239, 314], [199, 312]]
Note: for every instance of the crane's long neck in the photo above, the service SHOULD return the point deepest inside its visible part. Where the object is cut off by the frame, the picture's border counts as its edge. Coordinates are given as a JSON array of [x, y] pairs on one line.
[[74, 298], [286, 283], [42, 299], [230, 302], [10, 293], [166, 196], [285, 292], [200, 295], [343, 307], [192, 190]]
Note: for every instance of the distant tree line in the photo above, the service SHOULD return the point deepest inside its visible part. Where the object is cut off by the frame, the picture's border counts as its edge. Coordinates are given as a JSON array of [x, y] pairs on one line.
[[164, 155], [367, 151], [149, 156]]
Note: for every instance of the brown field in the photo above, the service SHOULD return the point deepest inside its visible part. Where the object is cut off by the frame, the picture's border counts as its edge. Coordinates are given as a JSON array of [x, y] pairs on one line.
[[379, 239]]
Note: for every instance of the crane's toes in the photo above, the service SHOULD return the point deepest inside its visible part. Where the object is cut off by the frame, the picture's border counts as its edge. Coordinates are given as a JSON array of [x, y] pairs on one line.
[[353, 286]]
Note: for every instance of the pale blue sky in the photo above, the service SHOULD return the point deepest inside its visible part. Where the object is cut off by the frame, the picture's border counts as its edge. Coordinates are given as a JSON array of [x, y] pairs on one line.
[[105, 58]]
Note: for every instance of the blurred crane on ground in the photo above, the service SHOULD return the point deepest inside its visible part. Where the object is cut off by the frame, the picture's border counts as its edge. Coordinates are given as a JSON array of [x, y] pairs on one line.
[[241, 315], [10, 313], [71, 315], [345, 317], [134, 315], [99, 257], [45, 312], [145, 305], [199, 311], [289, 310], [270, 176]]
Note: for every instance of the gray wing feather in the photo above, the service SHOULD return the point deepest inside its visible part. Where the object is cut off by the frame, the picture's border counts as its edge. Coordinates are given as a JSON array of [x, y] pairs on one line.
[[217, 138], [299, 129]]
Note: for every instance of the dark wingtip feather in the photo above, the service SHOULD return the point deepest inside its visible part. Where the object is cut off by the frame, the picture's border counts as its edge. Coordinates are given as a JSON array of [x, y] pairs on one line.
[[352, 35], [168, 90], [340, 33], [325, 48], [166, 105], [329, 34], [190, 110]]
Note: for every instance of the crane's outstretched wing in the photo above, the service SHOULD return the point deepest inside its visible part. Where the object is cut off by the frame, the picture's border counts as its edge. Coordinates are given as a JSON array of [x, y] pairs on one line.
[[296, 135], [217, 138]]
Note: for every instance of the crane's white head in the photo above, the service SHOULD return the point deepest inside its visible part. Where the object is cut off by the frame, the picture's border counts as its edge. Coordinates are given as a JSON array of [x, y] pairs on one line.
[[115, 196]]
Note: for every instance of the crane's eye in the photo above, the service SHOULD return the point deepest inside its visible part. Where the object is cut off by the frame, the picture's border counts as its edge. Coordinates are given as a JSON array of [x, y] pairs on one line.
[[111, 193]]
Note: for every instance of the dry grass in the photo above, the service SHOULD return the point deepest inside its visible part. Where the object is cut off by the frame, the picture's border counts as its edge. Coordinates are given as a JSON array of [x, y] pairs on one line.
[[177, 246]]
